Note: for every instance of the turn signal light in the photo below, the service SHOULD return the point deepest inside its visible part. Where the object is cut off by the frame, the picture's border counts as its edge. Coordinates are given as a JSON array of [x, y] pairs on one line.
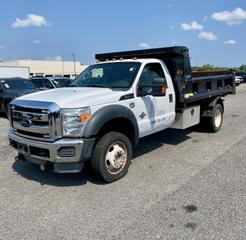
[[84, 117]]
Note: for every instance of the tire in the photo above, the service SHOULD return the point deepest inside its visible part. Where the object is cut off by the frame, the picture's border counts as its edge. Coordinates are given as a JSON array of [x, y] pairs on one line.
[[112, 156], [215, 122]]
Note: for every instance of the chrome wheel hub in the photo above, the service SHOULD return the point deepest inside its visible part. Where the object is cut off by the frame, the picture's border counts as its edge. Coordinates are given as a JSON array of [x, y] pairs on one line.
[[218, 118], [116, 157]]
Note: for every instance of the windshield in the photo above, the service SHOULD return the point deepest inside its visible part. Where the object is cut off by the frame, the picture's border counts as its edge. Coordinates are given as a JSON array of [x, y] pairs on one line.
[[61, 82], [108, 75], [17, 84]]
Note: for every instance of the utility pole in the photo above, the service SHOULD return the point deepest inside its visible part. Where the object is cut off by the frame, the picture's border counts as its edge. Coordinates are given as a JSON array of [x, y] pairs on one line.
[[62, 64], [74, 64]]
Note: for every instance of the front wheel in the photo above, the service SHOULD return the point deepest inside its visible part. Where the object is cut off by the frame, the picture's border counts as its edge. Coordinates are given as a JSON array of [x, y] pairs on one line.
[[112, 156]]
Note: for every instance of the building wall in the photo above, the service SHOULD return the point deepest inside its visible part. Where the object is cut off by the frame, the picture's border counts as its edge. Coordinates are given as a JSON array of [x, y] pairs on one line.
[[9, 72], [48, 67]]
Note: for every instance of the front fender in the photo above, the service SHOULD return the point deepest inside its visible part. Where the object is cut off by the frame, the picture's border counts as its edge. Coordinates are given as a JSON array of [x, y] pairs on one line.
[[106, 114]]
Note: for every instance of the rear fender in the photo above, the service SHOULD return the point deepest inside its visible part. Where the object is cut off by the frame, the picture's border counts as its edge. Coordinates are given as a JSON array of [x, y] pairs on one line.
[[208, 108]]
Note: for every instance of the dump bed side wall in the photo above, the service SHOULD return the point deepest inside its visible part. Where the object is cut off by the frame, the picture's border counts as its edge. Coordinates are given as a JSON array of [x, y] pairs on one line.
[[207, 85]]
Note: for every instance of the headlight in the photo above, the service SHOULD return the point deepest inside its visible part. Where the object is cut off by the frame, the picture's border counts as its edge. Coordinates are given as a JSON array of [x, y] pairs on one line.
[[74, 121]]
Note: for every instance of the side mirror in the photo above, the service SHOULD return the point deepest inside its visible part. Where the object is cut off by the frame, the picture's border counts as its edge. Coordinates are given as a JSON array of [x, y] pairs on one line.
[[144, 90], [157, 88]]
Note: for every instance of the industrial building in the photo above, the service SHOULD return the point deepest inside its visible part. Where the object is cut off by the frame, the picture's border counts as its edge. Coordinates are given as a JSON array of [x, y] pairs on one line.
[[48, 68], [9, 72]]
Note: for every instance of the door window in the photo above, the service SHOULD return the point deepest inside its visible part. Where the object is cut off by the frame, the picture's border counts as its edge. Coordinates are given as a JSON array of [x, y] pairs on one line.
[[1, 89], [152, 72], [47, 84], [38, 83]]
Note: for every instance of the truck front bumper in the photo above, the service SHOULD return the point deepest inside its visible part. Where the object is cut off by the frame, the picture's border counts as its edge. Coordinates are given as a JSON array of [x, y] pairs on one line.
[[66, 155]]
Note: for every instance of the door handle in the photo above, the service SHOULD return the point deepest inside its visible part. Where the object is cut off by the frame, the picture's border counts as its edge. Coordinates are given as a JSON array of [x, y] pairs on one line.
[[170, 98]]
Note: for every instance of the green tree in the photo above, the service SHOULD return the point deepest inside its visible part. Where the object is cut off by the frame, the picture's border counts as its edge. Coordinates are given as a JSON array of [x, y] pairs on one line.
[[207, 67], [242, 68]]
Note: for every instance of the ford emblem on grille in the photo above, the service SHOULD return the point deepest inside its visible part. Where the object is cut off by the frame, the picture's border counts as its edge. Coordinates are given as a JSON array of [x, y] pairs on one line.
[[25, 122]]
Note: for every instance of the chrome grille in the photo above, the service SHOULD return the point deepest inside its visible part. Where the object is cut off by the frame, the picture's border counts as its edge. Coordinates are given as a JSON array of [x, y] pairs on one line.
[[40, 123], [44, 120]]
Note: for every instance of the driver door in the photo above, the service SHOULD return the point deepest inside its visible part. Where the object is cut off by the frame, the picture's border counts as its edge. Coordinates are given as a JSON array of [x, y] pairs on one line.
[[152, 111]]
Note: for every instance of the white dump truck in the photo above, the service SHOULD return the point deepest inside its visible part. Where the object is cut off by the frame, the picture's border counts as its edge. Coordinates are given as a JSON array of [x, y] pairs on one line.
[[111, 105]]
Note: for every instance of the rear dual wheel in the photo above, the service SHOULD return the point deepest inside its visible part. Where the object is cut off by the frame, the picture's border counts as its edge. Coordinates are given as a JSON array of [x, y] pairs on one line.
[[214, 123]]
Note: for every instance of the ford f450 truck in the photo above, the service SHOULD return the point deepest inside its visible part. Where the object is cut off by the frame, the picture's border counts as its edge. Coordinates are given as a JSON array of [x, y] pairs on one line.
[[111, 105]]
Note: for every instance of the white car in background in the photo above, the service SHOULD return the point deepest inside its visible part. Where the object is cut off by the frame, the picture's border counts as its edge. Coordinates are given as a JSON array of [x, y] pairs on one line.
[[238, 79]]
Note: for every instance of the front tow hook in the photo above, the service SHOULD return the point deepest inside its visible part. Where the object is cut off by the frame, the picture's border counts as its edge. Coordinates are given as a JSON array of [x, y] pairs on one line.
[[45, 167], [19, 157]]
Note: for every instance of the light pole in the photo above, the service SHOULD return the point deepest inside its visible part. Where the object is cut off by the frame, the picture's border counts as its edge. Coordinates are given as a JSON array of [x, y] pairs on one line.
[[74, 64], [62, 63]]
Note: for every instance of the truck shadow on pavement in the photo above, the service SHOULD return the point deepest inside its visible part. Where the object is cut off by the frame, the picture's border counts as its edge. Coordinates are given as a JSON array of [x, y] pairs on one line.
[[32, 172], [157, 140], [3, 115], [146, 145]]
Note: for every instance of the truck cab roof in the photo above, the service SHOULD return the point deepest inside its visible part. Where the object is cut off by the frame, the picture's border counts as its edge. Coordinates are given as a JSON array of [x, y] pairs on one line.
[[176, 59], [140, 60]]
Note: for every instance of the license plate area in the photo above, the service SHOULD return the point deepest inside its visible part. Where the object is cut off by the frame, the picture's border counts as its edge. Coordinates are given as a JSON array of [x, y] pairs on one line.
[[22, 148]]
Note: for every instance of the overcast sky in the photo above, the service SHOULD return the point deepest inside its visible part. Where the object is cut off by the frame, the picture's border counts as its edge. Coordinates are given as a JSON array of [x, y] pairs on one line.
[[214, 30]]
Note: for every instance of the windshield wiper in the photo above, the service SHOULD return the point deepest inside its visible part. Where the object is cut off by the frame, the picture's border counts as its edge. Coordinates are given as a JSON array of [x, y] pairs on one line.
[[97, 85], [90, 85]]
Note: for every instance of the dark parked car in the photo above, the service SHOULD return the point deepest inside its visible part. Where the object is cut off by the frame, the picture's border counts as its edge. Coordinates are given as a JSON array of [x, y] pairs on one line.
[[60, 82], [44, 83], [10, 88]]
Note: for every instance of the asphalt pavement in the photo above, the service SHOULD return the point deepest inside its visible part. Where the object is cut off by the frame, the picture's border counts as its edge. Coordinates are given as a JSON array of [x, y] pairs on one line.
[[181, 185]]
